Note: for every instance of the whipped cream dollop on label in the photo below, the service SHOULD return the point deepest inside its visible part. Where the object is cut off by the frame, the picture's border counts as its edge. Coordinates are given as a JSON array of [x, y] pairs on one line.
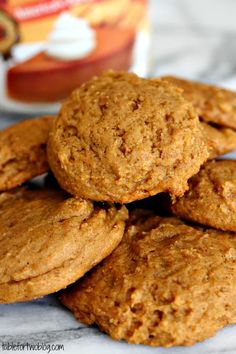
[[72, 38]]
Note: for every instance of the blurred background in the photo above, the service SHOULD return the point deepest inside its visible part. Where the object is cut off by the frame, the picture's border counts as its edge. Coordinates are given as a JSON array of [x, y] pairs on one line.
[[194, 39], [189, 38]]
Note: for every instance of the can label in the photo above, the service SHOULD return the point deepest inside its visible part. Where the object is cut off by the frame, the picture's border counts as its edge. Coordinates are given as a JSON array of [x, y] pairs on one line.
[[50, 47]]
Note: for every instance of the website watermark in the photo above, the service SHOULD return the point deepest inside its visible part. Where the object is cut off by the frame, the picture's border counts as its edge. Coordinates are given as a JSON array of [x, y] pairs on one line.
[[39, 346]]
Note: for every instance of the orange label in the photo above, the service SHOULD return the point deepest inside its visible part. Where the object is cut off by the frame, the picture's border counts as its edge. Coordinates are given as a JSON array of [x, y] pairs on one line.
[[50, 47]]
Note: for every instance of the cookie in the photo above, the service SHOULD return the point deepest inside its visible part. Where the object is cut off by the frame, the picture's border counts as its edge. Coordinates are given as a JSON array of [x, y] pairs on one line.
[[213, 104], [48, 240], [165, 284], [23, 151], [220, 140], [120, 138], [210, 199]]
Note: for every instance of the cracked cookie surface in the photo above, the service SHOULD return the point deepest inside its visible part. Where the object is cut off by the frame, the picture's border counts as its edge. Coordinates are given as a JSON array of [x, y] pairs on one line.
[[166, 284], [120, 138], [210, 199], [48, 240], [23, 151], [213, 104]]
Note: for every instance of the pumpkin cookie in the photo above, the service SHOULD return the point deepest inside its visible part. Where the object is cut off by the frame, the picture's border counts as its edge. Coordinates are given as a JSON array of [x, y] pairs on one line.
[[121, 138], [213, 104], [220, 140], [48, 240], [23, 151], [210, 199], [165, 284]]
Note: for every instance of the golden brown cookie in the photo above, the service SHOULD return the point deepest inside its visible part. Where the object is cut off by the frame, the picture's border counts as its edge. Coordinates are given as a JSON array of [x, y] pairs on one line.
[[165, 284], [48, 240], [213, 104], [220, 140], [210, 199], [121, 138], [23, 151]]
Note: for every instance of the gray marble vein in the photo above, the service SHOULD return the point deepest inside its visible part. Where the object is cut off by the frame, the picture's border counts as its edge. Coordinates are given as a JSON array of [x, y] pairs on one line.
[[194, 39], [46, 321]]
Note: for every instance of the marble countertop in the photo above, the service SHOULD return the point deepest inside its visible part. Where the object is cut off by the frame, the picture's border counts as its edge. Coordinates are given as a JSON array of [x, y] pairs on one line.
[[195, 39]]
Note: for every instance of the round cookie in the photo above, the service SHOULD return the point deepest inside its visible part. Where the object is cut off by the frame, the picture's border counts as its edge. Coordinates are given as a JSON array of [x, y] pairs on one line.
[[213, 104], [165, 284], [48, 240], [23, 151], [120, 138], [220, 140], [210, 199]]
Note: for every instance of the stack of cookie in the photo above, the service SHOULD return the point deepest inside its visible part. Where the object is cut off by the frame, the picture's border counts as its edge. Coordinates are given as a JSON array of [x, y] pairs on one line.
[[167, 276]]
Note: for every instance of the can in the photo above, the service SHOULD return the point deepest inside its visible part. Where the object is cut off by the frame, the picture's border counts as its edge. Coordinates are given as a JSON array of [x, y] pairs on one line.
[[48, 48]]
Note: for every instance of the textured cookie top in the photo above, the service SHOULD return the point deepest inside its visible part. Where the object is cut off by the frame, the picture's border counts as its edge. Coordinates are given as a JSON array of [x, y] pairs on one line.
[[121, 138], [211, 196], [166, 284], [23, 151], [219, 140], [213, 104], [48, 240]]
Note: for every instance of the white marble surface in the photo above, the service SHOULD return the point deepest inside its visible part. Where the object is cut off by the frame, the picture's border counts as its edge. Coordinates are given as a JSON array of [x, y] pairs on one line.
[[195, 39]]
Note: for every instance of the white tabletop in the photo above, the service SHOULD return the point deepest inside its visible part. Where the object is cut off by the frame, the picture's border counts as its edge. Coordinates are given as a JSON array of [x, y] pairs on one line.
[[195, 39]]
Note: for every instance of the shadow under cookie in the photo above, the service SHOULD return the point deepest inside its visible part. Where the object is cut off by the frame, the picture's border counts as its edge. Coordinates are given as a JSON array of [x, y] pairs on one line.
[[220, 140]]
